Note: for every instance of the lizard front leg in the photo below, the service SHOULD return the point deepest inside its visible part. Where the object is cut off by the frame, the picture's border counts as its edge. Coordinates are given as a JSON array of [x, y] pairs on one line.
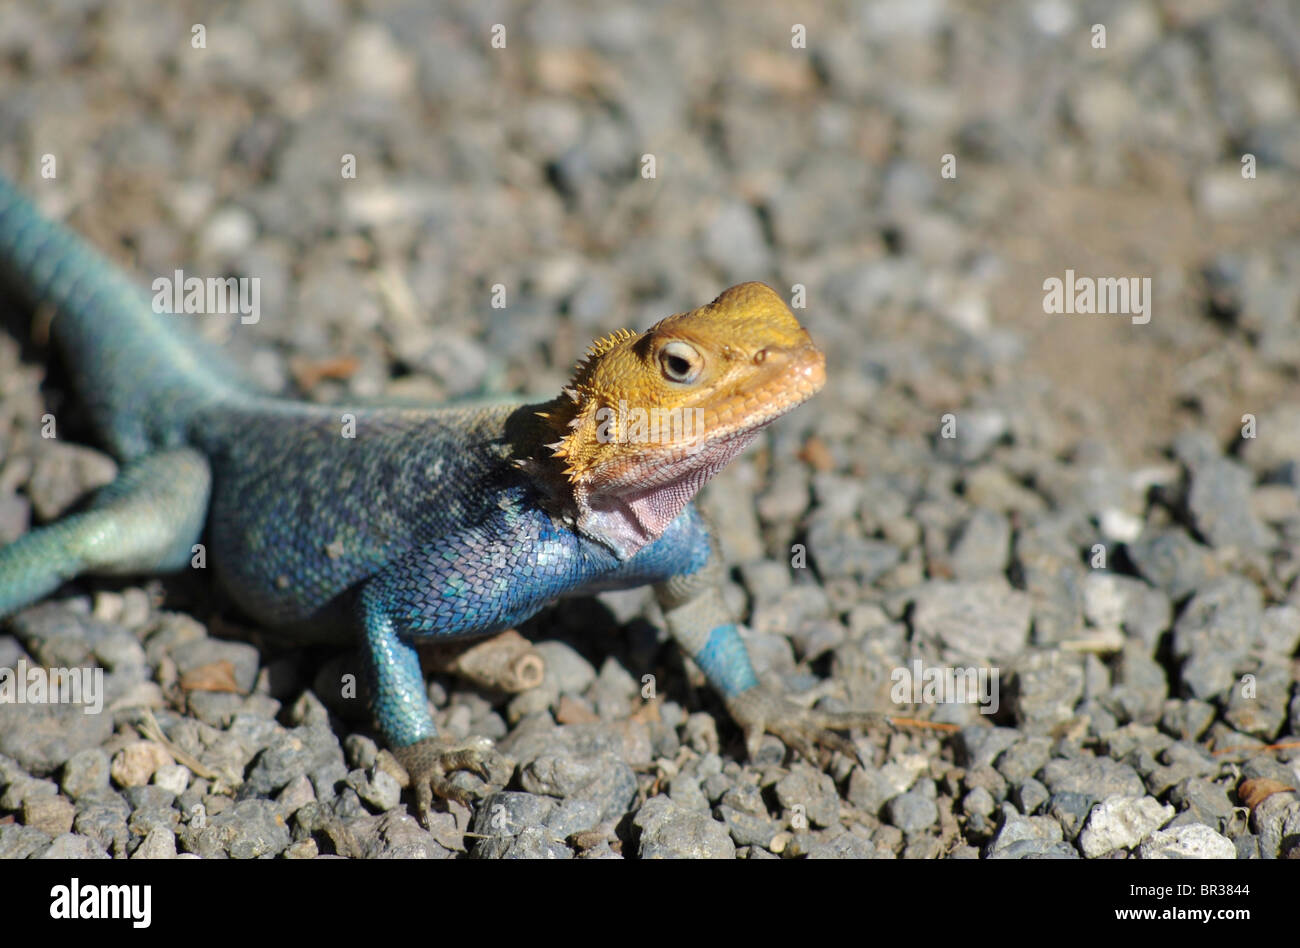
[[703, 627], [479, 581]]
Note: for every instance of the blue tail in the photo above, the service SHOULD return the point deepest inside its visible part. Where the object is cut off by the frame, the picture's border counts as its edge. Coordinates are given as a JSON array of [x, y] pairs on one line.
[[140, 374]]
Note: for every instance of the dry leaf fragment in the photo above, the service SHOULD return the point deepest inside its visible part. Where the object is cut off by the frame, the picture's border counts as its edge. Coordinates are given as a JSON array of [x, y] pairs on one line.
[[1254, 792], [215, 676]]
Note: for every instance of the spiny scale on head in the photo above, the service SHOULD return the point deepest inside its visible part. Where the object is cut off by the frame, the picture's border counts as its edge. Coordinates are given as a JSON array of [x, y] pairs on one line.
[[582, 371], [577, 386]]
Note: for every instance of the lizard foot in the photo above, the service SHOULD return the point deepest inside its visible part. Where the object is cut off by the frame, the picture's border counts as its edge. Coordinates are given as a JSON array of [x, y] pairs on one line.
[[803, 730], [432, 763]]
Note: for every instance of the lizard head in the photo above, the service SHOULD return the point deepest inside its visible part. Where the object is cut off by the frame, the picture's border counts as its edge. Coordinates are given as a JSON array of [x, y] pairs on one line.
[[648, 418]]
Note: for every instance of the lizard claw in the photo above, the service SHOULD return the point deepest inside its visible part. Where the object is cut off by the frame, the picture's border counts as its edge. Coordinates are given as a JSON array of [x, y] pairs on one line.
[[432, 763], [759, 711]]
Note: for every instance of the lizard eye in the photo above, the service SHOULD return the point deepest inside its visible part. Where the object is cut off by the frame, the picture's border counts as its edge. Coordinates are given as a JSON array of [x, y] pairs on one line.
[[680, 362]]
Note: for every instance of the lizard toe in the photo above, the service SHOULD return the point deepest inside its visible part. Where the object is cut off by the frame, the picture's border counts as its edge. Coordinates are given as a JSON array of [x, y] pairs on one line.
[[803, 730], [433, 764]]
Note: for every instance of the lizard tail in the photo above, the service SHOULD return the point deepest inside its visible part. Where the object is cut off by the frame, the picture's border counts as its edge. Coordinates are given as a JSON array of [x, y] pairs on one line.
[[140, 373]]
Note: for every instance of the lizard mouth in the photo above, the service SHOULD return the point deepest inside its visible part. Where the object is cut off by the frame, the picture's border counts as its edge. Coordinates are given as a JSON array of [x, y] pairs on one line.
[[789, 378]]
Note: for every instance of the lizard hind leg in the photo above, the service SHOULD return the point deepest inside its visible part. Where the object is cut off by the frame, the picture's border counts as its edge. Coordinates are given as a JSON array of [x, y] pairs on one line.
[[145, 521]]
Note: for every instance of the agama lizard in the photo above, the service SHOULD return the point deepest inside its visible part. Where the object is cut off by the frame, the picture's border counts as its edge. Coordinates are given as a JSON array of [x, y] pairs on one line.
[[451, 521]]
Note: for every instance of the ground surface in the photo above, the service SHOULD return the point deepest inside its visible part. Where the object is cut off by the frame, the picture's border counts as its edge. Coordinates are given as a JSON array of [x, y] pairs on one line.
[[1135, 696]]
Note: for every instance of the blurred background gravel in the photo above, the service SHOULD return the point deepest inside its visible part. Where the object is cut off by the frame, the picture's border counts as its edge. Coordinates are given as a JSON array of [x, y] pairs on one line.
[[817, 167]]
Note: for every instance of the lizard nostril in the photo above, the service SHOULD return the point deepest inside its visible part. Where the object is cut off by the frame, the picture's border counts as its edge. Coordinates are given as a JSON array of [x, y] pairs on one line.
[[760, 356]]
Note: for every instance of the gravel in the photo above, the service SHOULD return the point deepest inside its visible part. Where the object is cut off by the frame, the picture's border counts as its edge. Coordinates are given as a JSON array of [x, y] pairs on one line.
[[1122, 823], [1194, 841], [1103, 515]]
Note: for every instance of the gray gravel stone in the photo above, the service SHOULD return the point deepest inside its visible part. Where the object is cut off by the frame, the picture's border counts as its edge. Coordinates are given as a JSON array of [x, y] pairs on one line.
[[983, 548], [1187, 719], [1266, 455], [1140, 688], [1172, 561], [911, 812], [1279, 629], [1046, 686], [102, 815], [1206, 801], [1024, 758], [64, 473], [42, 736], [377, 788], [360, 751], [1220, 502], [1029, 795], [844, 846], [1070, 810], [1036, 849], [1014, 828], [977, 432], [145, 820], [174, 778], [248, 830], [573, 816], [21, 842], [1214, 632], [1122, 823], [685, 791], [984, 621], [839, 551], [159, 844], [980, 746], [532, 842], [978, 800], [215, 708], [1257, 703], [1277, 821], [813, 790], [572, 673], [396, 835], [1247, 847], [1099, 777], [291, 754], [603, 779], [148, 797], [989, 779], [669, 832], [507, 813], [1187, 842], [72, 846], [748, 829], [296, 794], [22, 788]]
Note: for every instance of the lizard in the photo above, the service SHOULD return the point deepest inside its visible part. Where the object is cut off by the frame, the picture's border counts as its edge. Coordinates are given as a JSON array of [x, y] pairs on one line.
[[429, 523]]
